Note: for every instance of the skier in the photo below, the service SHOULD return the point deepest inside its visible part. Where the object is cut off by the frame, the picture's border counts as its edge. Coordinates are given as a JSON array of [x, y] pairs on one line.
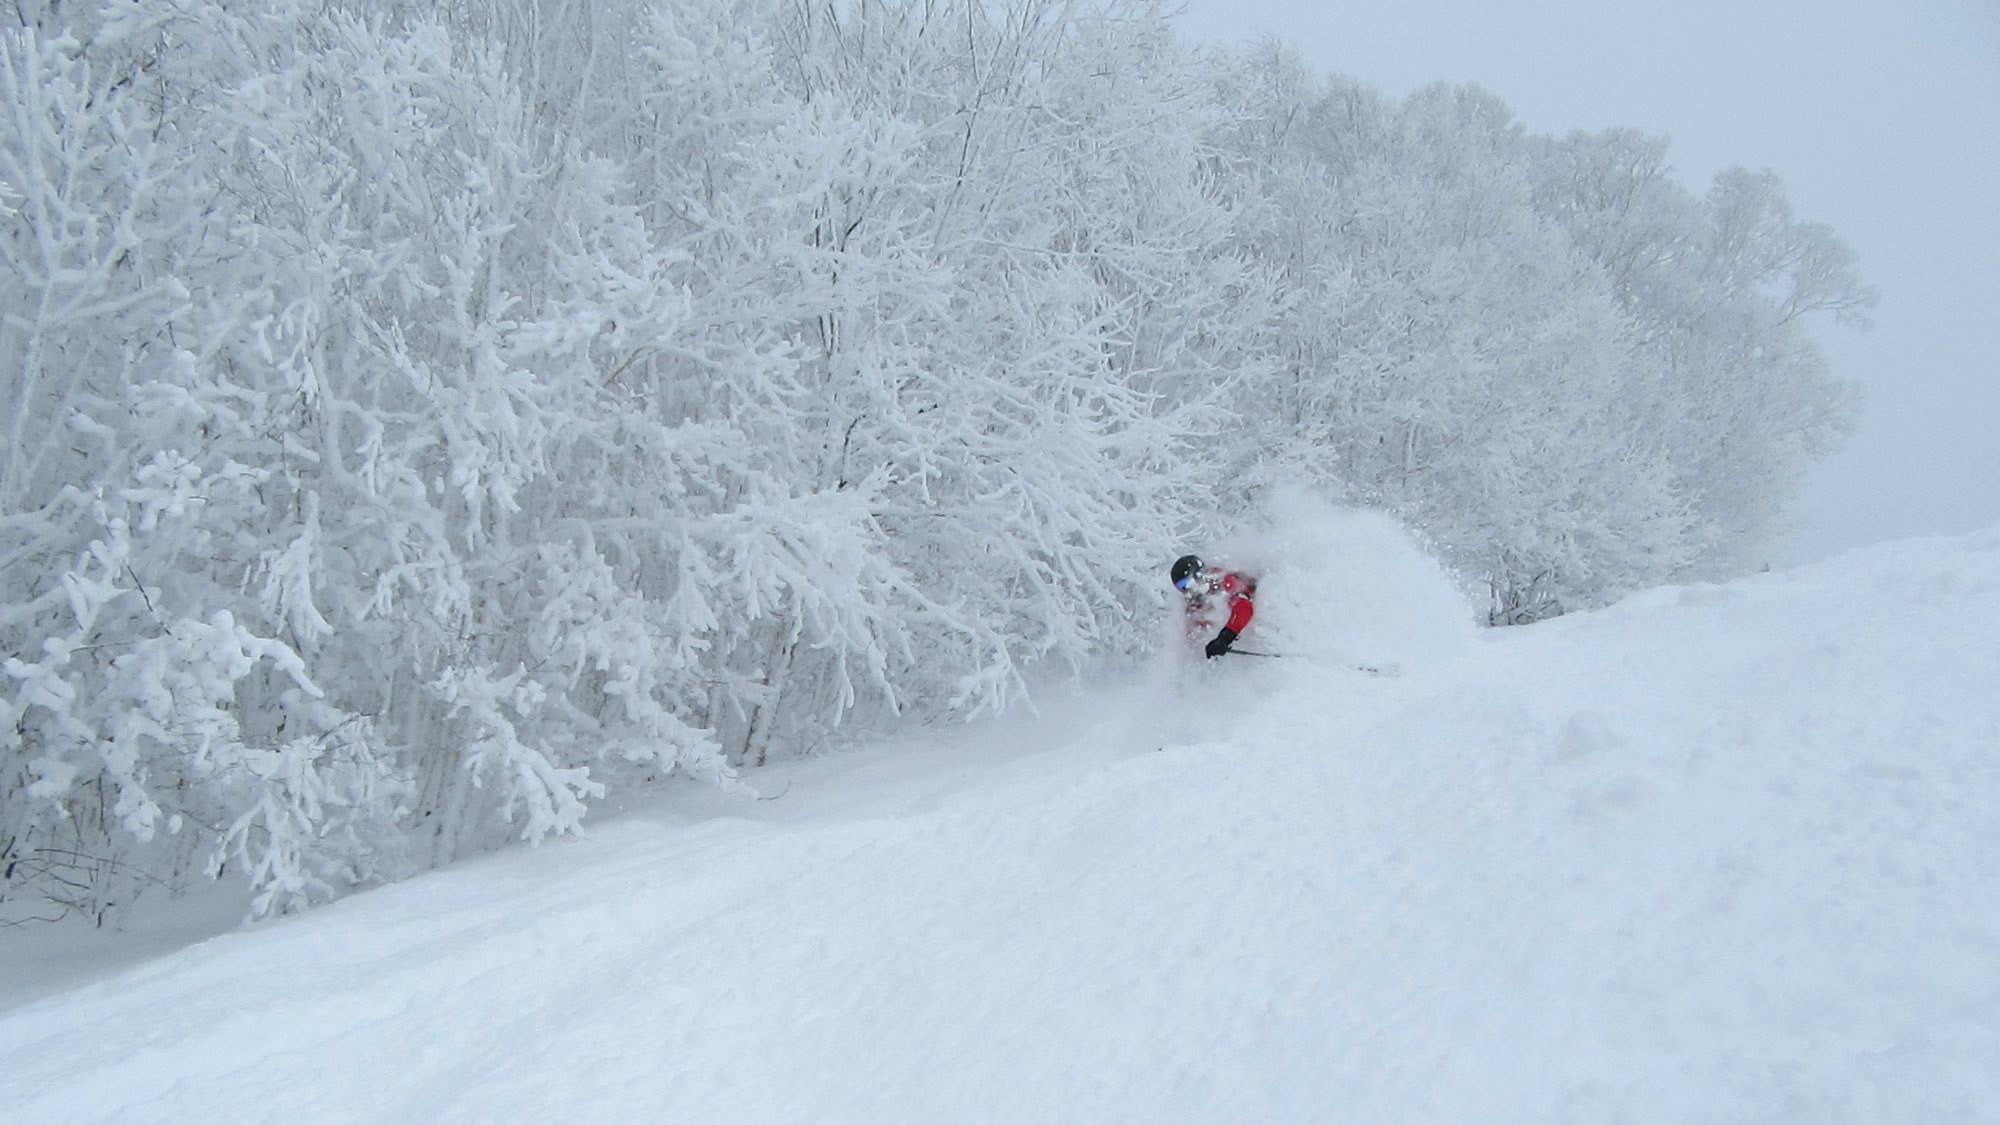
[[1209, 591]]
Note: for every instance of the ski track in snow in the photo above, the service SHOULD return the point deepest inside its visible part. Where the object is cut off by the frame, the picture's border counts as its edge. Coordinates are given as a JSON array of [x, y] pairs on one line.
[[1717, 853]]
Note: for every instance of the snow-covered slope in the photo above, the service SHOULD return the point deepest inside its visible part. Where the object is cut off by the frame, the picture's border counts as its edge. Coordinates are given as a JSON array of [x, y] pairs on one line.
[[1717, 853]]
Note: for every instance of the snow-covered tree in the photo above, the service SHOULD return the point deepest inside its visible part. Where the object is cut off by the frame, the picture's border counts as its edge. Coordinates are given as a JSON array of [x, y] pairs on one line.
[[429, 419], [1537, 360], [1730, 389], [447, 461]]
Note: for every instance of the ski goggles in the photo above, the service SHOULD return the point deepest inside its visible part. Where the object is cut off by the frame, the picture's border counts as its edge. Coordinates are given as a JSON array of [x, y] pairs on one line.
[[1185, 582]]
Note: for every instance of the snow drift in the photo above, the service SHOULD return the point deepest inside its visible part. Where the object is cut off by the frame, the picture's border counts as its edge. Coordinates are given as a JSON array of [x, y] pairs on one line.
[[1716, 853]]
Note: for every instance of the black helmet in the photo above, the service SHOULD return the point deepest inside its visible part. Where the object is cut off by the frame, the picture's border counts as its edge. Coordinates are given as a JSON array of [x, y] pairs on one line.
[[1184, 569]]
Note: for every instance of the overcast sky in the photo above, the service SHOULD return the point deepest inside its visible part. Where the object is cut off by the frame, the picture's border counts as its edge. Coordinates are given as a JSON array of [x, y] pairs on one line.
[[1883, 119]]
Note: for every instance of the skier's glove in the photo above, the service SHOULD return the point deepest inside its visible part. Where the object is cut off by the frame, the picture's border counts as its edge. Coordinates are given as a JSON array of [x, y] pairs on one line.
[[1221, 643]]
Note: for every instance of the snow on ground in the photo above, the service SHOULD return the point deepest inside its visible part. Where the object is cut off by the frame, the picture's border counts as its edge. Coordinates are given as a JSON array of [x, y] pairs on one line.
[[1717, 853]]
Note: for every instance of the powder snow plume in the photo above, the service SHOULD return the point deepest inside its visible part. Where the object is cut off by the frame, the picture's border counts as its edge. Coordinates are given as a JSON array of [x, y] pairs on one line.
[[1347, 585]]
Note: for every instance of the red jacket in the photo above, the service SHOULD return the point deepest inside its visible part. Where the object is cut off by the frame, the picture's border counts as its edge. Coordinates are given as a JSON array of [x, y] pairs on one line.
[[1237, 591]]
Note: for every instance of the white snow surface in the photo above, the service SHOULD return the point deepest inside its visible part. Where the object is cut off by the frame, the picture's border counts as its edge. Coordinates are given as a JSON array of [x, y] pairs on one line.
[[1716, 853]]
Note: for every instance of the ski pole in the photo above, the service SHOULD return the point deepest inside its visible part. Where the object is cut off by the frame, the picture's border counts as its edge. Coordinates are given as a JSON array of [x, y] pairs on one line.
[[1370, 669]]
